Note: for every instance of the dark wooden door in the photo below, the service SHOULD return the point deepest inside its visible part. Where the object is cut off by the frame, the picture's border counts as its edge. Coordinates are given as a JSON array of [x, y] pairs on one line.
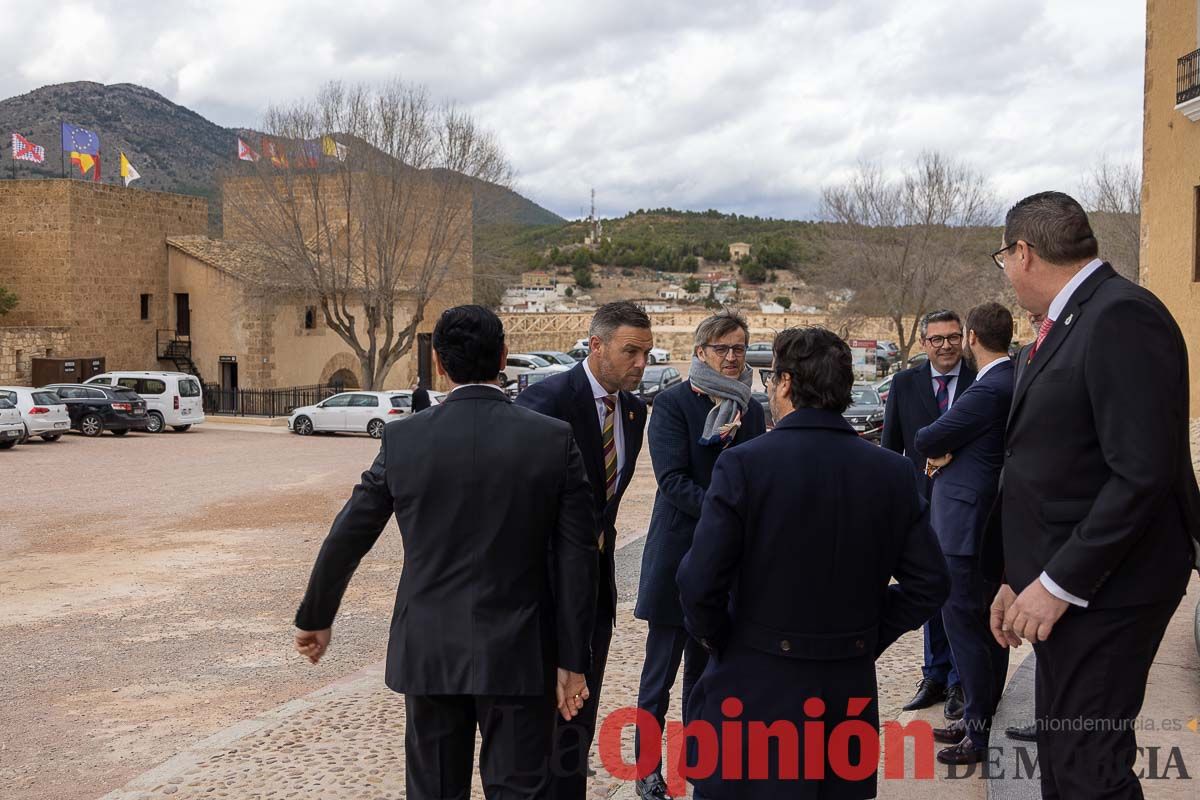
[[183, 316]]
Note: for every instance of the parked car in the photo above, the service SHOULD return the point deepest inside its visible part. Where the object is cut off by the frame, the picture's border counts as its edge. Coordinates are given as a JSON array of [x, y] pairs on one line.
[[355, 412], [172, 398], [656, 380], [579, 353], [98, 408], [865, 413], [760, 354], [918, 359], [518, 363], [555, 357], [43, 413], [582, 343], [12, 427], [527, 379], [658, 355], [884, 359], [883, 388]]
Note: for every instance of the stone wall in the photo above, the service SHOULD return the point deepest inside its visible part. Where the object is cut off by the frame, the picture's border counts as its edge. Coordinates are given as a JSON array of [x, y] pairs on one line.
[[20, 344]]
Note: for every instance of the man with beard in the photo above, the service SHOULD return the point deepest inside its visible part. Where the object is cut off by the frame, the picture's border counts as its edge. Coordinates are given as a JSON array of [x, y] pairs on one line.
[[692, 424], [608, 422], [966, 448], [918, 397], [788, 583]]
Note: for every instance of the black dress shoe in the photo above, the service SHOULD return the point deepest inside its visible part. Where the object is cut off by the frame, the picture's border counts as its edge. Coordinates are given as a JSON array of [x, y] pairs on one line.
[[1022, 733], [955, 703], [951, 734], [962, 753], [929, 693], [652, 787]]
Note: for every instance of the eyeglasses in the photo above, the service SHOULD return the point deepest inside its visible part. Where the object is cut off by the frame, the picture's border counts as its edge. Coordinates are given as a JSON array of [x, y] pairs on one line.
[[723, 350], [937, 341], [766, 376], [998, 256]]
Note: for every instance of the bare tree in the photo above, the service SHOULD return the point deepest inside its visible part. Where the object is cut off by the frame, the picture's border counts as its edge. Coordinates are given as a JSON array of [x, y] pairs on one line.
[[1112, 194], [362, 200], [907, 245]]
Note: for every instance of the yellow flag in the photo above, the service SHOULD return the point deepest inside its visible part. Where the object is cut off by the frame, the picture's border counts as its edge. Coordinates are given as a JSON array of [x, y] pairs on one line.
[[127, 171]]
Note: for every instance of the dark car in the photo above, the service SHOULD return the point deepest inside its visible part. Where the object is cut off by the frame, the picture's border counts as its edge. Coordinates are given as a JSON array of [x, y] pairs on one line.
[[865, 413], [578, 353], [95, 408], [918, 359], [655, 380], [760, 354]]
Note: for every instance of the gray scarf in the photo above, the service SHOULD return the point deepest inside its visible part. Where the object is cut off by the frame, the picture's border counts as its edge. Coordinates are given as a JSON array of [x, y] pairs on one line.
[[733, 394]]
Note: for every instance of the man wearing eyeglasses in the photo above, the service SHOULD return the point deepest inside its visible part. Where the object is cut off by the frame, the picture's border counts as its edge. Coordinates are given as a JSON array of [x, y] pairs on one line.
[[692, 424], [919, 396]]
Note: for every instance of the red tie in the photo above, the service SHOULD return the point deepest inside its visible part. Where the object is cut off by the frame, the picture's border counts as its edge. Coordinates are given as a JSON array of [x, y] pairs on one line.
[[1043, 331]]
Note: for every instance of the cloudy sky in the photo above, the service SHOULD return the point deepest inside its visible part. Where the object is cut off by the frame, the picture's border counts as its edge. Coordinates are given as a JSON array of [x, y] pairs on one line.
[[741, 106]]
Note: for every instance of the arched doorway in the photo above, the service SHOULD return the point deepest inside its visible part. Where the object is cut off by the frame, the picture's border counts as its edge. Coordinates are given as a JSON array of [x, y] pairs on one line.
[[344, 378]]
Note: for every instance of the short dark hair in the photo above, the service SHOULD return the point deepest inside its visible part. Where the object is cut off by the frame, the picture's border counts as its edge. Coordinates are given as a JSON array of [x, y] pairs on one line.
[[941, 315], [469, 341], [719, 325], [611, 316], [1055, 225], [820, 365], [993, 324]]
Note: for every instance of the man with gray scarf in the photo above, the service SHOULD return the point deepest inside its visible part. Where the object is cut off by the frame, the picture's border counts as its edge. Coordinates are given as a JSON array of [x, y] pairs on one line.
[[691, 425]]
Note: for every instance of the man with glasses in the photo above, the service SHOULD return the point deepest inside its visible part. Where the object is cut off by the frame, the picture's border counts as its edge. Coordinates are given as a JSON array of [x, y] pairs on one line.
[[918, 397], [692, 424]]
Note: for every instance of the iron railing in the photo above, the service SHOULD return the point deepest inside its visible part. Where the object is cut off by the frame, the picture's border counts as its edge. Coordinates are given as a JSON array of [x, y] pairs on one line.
[[1187, 78], [264, 402], [171, 345]]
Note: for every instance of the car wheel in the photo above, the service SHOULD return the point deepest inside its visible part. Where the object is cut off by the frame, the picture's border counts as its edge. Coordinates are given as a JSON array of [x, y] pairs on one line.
[[91, 425], [650, 359], [180, 428], [51, 437], [8, 444], [154, 422], [302, 426], [375, 428], [120, 432]]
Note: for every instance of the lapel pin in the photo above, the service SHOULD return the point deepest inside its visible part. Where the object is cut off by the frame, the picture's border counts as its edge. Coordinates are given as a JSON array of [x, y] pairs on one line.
[[1067, 321]]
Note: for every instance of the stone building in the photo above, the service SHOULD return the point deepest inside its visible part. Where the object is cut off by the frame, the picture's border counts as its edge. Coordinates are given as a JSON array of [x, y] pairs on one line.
[[1170, 257], [88, 263], [739, 251]]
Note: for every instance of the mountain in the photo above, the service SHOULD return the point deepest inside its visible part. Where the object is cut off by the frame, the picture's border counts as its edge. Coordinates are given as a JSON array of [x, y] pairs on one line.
[[174, 148]]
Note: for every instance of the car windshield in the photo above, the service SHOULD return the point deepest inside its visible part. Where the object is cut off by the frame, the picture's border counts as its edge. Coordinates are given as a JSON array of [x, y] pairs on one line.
[[401, 401], [864, 396], [539, 361], [652, 376], [47, 399], [189, 388]]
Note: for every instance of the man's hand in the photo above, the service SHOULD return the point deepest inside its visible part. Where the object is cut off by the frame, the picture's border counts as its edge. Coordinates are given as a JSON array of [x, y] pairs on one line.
[[313, 644], [1033, 614], [932, 465], [1004, 600], [571, 691]]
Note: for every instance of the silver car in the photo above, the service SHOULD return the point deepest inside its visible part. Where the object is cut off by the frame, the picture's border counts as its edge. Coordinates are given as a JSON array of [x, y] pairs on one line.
[[44, 413], [12, 427]]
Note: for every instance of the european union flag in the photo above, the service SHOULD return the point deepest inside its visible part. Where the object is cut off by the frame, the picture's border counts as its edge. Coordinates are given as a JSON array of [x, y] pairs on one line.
[[79, 140]]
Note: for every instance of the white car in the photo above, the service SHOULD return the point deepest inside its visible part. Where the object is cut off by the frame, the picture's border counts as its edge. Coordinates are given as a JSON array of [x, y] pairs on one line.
[[519, 364], [172, 398], [44, 413], [12, 427], [658, 355], [355, 412]]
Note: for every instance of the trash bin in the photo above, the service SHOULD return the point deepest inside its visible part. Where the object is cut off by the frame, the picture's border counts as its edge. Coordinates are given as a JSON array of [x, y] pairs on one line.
[[55, 370]]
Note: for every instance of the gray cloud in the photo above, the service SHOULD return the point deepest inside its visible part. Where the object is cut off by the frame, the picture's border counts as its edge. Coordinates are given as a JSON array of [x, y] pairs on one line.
[[747, 107]]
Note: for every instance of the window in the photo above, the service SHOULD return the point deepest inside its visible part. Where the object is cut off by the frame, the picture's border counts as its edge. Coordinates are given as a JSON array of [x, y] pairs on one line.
[[128, 383], [94, 394], [10, 397], [47, 399], [401, 401], [20, 357], [310, 318], [145, 306], [150, 386], [189, 388], [364, 401], [338, 401]]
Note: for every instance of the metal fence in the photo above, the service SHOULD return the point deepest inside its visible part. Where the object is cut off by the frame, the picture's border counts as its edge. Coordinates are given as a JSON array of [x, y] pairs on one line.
[[264, 402]]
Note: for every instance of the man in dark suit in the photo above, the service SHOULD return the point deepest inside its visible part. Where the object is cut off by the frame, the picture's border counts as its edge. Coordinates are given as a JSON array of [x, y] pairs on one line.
[[966, 447], [1099, 510], [918, 397], [420, 397], [482, 617], [608, 422], [788, 584], [692, 424]]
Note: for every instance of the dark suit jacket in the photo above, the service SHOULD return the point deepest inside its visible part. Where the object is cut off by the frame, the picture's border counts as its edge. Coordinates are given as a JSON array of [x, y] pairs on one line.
[[1098, 484], [683, 468], [911, 405], [568, 396], [973, 431], [788, 578], [420, 399], [474, 609]]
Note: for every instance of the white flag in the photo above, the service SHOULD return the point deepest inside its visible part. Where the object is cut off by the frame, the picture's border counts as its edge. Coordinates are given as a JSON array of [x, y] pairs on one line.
[[127, 171]]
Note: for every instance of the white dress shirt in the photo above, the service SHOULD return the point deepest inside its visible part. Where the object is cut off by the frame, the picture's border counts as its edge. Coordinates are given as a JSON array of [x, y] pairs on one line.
[[952, 374], [599, 393], [461, 385], [1056, 308], [979, 375]]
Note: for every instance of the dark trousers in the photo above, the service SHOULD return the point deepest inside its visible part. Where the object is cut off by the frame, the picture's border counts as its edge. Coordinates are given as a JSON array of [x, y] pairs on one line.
[[439, 744], [1093, 670], [666, 645], [982, 663], [939, 660], [573, 740]]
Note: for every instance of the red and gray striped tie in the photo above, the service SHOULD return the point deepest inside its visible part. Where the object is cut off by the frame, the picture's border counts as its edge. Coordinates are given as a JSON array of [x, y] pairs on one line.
[[610, 453]]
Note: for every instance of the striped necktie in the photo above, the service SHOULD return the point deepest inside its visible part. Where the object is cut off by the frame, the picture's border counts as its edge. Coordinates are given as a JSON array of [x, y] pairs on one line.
[[610, 447], [1043, 332], [943, 393]]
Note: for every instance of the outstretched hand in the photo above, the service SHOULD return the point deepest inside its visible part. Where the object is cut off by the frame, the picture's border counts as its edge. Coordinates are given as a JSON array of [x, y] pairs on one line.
[[313, 644]]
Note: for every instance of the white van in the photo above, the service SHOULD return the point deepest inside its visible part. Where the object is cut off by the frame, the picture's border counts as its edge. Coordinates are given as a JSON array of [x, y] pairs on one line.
[[172, 398]]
